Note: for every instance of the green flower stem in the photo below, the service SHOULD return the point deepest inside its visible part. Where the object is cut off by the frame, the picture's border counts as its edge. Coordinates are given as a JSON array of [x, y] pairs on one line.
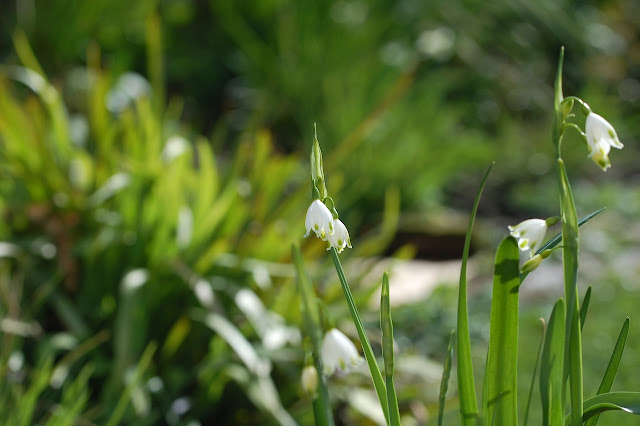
[[569, 217], [378, 382], [575, 127], [321, 405], [585, 108]]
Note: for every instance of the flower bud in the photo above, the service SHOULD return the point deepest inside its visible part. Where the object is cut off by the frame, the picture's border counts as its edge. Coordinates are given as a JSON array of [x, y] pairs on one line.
[[309, 379], [535, 261]]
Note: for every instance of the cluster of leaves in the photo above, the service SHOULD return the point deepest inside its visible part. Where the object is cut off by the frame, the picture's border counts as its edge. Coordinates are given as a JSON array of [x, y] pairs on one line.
[[137, 259]]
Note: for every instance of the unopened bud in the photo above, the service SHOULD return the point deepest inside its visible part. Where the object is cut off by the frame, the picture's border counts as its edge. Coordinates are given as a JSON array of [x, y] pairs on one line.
[[535, 261], [309, 380], [552, 220]]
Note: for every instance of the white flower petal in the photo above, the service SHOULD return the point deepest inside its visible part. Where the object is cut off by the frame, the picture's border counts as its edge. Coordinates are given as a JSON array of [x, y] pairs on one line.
[[529, 233], [338, 353], [319, 220], [601, 136], [340, 237]]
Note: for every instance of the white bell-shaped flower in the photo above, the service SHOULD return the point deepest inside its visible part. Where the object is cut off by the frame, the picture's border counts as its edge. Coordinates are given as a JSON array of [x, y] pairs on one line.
[[529, 233], [319, 220], [338, 353], [601, 136], [340, 237]]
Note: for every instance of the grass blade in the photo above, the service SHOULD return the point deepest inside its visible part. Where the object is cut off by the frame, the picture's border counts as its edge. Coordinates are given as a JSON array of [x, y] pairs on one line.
[[628, 402], [321, 405], [143, 365], [386, 325], [446, 373], [551, 369], [533, 377], [500, 402], [585, 307], [612, 368], [466, 383], [553, 241]]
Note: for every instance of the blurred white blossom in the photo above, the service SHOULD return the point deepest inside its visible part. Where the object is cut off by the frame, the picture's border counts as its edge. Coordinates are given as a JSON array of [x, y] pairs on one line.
[[338, 353]]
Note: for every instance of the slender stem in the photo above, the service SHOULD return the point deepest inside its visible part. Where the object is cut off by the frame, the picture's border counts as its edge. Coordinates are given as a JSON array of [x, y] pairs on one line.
[[573, 126], [321, 405], [585, 108], [573, 344], [378, 382]]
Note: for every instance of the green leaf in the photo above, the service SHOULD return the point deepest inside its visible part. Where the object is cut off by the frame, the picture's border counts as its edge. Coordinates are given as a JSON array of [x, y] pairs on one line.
[[625, 401], [309, 307], [386, 325], [501, 371], [533, 376], [551, 376], [612, 368], [136, 380], [584, 308], [446, 373], [466, 384], [255, 375], [553, 241]]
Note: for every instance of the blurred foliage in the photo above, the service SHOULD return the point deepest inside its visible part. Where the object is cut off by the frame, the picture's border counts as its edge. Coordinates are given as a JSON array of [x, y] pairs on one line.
[[115, 219], [453, 84]]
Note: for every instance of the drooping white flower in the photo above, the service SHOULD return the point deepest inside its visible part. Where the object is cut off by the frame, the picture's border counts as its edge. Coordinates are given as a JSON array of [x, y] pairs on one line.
[[529, 234], [601, 136], [309, 379], [338, 353], [319, 220], [340, 237]]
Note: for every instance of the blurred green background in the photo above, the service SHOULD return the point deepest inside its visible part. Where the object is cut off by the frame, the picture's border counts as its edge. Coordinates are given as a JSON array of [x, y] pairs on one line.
[[154, 173]]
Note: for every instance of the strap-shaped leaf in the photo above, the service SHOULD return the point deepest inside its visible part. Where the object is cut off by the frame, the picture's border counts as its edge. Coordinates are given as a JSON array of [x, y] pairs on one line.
[[628, 402], [386, 325], [501, 371], [551, 377], [466, 382], [446, 373], [612, 368]]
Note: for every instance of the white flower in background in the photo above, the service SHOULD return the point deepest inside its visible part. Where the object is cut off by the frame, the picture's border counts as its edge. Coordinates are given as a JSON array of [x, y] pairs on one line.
[[340, 237], [309, 378], [319, 220], [338, 353], [601, 136], [529, 234]]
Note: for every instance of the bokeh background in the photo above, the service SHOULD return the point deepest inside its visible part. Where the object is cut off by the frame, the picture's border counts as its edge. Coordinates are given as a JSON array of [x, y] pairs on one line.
[[154, 173]]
